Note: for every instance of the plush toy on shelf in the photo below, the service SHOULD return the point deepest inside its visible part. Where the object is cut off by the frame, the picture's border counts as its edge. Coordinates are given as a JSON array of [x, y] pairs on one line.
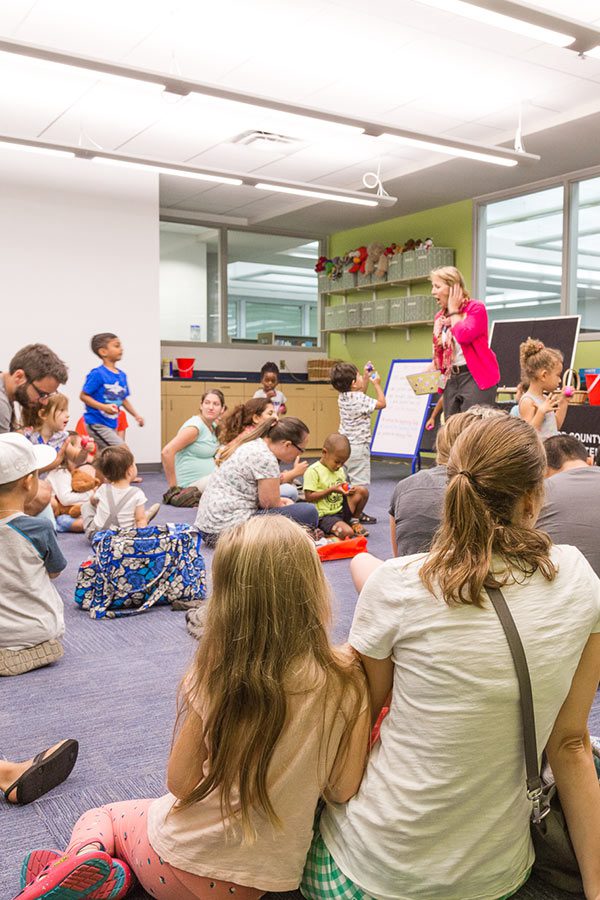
[[377, 261], [321, 264], [359, 260]]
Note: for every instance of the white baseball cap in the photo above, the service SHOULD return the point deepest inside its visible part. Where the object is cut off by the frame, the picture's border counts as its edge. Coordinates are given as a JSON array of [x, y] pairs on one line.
[[19, 457]]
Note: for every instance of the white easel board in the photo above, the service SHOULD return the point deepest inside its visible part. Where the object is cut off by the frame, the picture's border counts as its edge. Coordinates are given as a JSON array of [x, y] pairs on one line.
[[399, 427]]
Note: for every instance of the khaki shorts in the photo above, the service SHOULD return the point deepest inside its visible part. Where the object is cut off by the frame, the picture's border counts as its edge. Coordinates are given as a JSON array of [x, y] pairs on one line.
[[358, 466]]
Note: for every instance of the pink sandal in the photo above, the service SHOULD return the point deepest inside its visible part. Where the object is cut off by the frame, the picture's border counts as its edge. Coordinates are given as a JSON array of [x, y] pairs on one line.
[[69, 877], [117, 885]]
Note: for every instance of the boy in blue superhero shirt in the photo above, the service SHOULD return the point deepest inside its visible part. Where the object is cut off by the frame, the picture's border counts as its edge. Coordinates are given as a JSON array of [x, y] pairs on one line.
[[105, 391]]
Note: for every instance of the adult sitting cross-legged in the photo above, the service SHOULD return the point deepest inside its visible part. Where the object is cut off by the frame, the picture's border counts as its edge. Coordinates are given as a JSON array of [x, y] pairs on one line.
[[34, 374], [571, 510]]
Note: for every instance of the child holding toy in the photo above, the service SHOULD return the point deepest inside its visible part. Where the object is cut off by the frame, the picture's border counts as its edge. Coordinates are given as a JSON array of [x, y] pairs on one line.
[[116, 504], [72, 483], [356, 410], [338, 503], [271, 717], [269, 380], [543, 405], [105, 391]]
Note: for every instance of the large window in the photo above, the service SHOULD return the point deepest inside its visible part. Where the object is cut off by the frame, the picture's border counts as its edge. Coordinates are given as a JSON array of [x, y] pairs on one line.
[[523, 258], [270, 294], [271, 288], [585, 287], [539, 253]]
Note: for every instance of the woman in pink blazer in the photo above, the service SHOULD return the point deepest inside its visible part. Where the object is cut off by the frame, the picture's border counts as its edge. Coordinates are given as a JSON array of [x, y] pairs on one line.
[[461, 351]]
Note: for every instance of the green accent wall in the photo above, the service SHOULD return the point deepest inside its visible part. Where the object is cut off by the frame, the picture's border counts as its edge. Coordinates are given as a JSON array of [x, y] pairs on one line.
[[447, 226]]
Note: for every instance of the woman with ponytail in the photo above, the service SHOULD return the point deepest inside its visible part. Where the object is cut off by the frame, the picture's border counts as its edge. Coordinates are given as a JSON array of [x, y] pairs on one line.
[[247, 480], [442, 812]]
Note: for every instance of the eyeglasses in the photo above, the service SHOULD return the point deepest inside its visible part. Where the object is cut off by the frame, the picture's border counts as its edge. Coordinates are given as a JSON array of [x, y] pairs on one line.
[[299, 449], [42, 395]]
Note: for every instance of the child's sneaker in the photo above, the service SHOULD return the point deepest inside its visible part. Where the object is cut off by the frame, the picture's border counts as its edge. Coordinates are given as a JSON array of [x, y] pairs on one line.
[[117, 884], [70, 875]]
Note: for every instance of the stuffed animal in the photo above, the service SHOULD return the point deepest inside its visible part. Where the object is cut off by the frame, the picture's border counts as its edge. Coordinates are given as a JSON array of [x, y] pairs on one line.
[[377, 261], [359, 260], [83, 480], [392, 250], [338, 267], [320, 264]]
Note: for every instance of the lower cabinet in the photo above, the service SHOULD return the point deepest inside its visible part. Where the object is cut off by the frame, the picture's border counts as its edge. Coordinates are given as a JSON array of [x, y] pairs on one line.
[[315, 404]]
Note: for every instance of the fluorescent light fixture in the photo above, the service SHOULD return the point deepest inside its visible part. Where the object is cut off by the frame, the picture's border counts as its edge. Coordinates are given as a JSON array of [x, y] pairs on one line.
[[449, 149], [166, 170], [319, 195], [47, 151], [498, 20]]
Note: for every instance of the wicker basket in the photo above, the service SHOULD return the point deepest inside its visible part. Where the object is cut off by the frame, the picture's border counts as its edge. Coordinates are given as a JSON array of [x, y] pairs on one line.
[[363, 280], [409, 264], [335, 317], [320, 369], [346, 282], [381, 310], [395, 268], [354, 314], [419, 308], [396, 310], [367, 313]]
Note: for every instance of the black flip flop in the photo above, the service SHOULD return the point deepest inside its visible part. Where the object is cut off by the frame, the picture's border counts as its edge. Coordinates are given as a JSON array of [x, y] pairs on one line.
[[45, 773], [367, 520]]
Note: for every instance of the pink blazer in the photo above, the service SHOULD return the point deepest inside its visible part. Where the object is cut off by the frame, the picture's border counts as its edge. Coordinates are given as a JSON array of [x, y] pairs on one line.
[[472, 335]]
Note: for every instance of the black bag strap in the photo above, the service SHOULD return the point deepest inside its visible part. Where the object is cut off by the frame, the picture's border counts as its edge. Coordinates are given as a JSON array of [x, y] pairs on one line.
[[534, 782]]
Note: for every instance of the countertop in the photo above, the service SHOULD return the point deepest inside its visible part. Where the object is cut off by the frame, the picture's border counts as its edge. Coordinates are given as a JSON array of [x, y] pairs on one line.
[[243, 377]]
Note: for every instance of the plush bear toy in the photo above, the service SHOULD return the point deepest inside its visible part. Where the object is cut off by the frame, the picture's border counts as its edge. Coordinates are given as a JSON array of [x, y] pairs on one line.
[[377, 261], [82, 481]]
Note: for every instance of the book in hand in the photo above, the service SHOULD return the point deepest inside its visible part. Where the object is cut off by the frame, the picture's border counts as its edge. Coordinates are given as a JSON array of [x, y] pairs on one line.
[[425, 382]]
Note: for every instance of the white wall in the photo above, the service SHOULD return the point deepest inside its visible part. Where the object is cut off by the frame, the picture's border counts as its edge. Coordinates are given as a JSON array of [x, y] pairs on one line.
[[183, 291], [241, 359], [79, 254]]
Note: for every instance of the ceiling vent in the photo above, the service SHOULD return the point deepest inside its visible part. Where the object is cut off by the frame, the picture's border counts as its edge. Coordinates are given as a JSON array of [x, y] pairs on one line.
[[264, 140]]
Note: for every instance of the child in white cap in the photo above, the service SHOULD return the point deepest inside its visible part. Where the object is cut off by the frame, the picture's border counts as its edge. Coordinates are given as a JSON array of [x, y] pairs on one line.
[[31, 610]]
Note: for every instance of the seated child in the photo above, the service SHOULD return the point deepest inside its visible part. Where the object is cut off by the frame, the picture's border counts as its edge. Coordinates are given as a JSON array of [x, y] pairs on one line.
[[48, 424], [72, 484], [269, 381], [116, 504], [339, 505], [31, 610]]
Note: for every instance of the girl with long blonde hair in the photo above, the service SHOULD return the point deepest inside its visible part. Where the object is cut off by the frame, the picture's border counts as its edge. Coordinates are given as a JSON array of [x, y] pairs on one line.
[[270, 718], [443, 810]]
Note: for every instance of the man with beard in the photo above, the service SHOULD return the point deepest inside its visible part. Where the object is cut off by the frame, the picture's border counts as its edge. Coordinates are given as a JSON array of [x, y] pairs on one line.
[[35, 373]]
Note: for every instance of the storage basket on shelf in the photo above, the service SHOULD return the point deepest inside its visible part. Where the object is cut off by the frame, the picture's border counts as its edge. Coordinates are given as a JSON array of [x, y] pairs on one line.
[[323, 282], [320, 369], [381, 310], [432, 258], [409, 264], [354, 314], [419, 308], [396, 310], [335, 317], [367, 313], [395, 268], [346, 282], [363, 280]]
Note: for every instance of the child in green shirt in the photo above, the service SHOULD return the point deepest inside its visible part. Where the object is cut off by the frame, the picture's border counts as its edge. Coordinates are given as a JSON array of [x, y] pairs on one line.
[[339, 505]]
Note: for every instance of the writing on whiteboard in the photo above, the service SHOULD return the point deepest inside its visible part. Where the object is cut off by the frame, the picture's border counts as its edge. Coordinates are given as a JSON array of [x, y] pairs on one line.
[[399, 426]]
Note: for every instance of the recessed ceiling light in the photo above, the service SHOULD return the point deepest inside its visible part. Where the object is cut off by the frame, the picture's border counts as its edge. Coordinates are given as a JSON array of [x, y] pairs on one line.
[[319, 195], [498, 20], [449, 150]]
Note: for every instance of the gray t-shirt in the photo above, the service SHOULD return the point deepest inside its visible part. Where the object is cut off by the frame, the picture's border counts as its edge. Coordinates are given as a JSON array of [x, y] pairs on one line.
[[7, 412], [231, 495], [416, 507], [571, 512]]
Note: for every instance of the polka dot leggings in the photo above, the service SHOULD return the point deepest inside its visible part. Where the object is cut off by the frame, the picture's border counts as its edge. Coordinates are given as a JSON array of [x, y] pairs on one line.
[[121, 828]]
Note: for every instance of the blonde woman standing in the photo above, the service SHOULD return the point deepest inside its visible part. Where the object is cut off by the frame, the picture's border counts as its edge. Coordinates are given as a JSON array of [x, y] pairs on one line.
[[442, 811], [270, 718], [461, 351]]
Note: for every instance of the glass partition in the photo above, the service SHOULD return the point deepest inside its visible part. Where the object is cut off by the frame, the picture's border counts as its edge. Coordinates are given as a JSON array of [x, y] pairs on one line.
[[585, 291], [272, 289], [189, 283]]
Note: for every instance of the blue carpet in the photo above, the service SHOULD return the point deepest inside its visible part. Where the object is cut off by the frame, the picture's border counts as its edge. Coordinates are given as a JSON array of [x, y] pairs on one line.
[[115, 690]]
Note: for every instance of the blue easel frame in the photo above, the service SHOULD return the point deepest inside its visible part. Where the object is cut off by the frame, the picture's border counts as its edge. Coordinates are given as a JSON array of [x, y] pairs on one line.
[[414, 457]]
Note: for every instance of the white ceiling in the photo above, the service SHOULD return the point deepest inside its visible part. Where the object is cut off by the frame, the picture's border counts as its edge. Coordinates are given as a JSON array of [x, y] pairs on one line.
[[402, 63]]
